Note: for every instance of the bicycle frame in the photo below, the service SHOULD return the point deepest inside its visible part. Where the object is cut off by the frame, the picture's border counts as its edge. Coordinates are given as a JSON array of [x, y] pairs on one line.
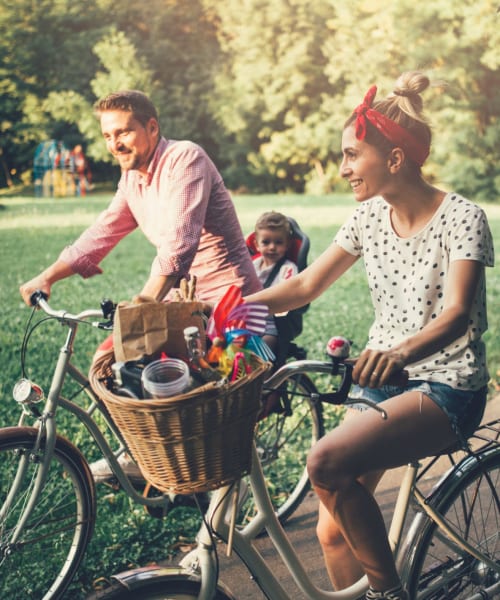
[[451, 534], [202, 560], [256, 565]]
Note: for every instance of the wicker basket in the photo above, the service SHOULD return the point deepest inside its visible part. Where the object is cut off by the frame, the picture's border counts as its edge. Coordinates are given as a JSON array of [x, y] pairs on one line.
[[193, 442]]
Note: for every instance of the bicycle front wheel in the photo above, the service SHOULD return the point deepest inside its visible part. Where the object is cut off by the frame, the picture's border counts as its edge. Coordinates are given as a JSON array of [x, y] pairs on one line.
[[434, 567], [283, 441], [41, 561]]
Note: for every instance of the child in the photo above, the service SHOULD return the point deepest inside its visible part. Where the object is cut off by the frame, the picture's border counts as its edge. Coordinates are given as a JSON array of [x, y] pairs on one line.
[[273, 236]]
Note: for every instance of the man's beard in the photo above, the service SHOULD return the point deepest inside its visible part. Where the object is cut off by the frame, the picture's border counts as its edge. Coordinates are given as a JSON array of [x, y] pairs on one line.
[[128, 162]]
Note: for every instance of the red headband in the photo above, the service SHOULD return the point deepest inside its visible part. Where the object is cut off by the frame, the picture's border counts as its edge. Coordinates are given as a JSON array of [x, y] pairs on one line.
[[396, 134]]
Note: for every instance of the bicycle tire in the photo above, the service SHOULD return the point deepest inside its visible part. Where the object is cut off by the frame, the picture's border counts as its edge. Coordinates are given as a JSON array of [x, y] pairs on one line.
[[283, 441], [45, 558], [433, 567], [174, 586]]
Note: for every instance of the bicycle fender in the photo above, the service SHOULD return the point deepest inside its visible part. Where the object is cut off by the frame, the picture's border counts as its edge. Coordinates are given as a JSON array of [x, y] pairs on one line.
[[452, 477], [139, 577]]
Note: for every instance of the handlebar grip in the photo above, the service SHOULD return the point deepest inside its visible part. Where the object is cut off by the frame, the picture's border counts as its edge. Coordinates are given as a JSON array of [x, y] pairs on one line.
[[37, 296], [399, 379]]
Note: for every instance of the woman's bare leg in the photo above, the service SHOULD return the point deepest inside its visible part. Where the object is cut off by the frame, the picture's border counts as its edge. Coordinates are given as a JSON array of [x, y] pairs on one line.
[[342, 566], [415, 427]]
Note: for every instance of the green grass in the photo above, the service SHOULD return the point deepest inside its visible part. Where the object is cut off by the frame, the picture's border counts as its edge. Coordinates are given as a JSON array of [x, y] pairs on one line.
[[32, 233]]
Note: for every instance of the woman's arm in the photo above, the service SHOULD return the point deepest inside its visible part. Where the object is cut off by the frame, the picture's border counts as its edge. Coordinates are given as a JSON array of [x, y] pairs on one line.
[[308, 284]]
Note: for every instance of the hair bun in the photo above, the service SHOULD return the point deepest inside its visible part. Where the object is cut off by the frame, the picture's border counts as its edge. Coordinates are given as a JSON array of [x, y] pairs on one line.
[[411, 84], [406, 93]]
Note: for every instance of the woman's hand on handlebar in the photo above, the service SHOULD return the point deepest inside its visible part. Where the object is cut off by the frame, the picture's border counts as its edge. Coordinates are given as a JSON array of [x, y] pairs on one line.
[[374, 368]]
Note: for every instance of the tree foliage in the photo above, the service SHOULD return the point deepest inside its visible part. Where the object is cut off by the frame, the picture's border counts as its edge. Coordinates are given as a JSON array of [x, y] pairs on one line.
[[264, 85]]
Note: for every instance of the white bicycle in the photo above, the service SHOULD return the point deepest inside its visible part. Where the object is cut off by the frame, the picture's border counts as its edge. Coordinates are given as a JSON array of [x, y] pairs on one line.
[[47, 493], [451, 550]]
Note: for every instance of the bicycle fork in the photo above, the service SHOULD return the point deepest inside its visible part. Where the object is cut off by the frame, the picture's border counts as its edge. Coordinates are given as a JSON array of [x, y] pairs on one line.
[[202, 560], [42, 450], [29, 457]]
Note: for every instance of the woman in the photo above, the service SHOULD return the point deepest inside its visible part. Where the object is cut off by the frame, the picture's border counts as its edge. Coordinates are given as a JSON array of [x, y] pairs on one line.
[[424, 252]]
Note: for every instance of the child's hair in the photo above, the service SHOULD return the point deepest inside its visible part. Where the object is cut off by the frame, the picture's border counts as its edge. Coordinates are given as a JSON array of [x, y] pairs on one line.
[[274, 221]]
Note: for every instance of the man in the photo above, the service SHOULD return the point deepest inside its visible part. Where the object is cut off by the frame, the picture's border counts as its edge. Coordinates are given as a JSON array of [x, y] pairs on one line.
[[172, 191]]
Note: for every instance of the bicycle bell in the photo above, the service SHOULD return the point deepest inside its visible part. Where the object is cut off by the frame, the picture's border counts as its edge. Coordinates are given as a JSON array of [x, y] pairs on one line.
[[338, 347]]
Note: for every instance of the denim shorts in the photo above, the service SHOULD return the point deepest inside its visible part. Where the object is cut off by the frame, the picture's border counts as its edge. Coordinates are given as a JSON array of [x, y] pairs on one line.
[[464, 408]]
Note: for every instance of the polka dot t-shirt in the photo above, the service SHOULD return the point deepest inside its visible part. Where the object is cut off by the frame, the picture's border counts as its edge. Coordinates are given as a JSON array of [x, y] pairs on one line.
[[407, 278]]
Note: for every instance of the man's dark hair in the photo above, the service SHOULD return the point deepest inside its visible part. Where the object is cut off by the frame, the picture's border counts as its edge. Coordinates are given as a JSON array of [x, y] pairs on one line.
[[131, 101]]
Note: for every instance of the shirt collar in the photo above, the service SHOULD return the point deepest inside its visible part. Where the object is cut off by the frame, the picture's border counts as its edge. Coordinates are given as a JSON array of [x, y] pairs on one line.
[[159, 150]]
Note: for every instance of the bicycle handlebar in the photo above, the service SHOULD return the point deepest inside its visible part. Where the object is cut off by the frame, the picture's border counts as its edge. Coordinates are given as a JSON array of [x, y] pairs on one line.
[[334, 367], [39, 299]]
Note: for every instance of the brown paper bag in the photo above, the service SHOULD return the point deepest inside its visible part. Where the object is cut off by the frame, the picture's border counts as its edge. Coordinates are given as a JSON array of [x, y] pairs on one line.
[[147, 329], [179, 316]]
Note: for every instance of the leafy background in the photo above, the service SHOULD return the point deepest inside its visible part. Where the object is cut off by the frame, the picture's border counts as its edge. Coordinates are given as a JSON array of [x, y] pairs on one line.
[[263, 85]]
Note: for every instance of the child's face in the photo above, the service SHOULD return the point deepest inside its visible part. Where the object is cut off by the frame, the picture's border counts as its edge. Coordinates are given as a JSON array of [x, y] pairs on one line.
[[272, 244]]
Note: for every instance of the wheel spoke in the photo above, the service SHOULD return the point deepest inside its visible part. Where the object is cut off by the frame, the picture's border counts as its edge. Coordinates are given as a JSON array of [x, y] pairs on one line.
[[439, 567], [52, 542]]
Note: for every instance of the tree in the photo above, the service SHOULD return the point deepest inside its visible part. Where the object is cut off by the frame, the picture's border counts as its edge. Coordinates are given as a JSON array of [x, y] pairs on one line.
[[177, 41], [264, 86], [466, 109], [45, 46], [294, 70], [271, 83]]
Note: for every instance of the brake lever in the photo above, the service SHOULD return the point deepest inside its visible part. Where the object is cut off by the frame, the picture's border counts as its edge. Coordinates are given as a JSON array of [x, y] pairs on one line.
[[105, 325], [108, 308], [369, 403]]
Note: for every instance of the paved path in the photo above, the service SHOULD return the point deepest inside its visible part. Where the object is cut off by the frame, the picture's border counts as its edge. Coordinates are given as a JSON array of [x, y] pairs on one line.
[[301, 530]]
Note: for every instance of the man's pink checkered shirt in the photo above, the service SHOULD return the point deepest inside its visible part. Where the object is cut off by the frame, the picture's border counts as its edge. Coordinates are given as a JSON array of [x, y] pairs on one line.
[[184, 209]]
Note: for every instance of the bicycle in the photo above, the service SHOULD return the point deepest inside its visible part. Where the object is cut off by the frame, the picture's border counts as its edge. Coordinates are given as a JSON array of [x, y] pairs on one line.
[[284, 438], [47, 493], [451, 549]]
